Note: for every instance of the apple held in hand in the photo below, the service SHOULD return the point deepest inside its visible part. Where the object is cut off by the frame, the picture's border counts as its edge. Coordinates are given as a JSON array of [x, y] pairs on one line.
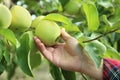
[[48, 32]]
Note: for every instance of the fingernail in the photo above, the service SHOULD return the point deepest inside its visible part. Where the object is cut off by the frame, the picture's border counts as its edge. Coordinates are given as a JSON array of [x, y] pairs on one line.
[[63, 29], [35, 37]]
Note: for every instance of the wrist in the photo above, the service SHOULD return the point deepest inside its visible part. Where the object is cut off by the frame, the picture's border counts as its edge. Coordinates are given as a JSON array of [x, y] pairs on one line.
[[91, 70], [94, 72]]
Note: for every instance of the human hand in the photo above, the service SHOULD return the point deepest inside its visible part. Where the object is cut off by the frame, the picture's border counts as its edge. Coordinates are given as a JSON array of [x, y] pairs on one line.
[[69, 55]]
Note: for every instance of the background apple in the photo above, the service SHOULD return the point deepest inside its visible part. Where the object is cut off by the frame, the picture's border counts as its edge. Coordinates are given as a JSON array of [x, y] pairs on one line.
[[36, 21], [5, 16], [72, 7], [21, 19]]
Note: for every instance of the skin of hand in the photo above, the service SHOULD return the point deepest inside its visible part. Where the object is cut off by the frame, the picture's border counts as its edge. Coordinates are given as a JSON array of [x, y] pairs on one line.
[[69, 56]]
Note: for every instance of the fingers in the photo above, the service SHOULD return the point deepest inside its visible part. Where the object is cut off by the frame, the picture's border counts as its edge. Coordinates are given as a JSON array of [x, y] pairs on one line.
[[50, 49], [66, 37], [46, 53], [39, 44]]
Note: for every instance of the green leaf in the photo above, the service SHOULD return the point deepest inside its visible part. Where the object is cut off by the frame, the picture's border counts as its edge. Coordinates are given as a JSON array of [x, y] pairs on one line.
[[111, 53], [91, 15], [7, 56], [11, 70], [71, 28], [2, 46], [55, 72], [106, 4], [81, 40], [95, 49], [1, 1], [58, 17], [23, 52], [9, 35], [117, 14], [68, 75], [111, 25], [2, 68], [77, 35], [104, 17], [1, 55], [35, 59], [64, 2]]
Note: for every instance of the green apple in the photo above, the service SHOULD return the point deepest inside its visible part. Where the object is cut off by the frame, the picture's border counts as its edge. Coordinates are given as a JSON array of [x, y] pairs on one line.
[[48, 32], [72, 7], [5, 16], [21, 19]]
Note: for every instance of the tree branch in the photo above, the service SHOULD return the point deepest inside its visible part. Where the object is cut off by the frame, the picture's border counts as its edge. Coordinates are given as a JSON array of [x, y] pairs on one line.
[[54, 11], [102, 35]]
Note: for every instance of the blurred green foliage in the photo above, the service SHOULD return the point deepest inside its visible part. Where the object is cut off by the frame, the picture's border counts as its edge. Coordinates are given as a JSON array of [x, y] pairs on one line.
[[96, 24]]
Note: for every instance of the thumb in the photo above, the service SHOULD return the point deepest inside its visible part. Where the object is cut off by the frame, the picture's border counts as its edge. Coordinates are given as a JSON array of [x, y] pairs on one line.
[[66, 37]]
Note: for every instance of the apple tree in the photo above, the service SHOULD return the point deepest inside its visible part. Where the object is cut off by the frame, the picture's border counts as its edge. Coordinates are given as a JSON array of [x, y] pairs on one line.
[[94, 23]]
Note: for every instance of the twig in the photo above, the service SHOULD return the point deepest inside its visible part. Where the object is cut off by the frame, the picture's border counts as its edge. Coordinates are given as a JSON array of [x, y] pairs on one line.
[[84, 76], [54, 11], [102, 35], [7, 3]]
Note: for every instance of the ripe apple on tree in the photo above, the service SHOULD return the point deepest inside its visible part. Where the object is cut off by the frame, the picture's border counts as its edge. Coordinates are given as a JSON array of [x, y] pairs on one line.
[[21, 19], [36, 21], [5, 16], [72, 7]]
